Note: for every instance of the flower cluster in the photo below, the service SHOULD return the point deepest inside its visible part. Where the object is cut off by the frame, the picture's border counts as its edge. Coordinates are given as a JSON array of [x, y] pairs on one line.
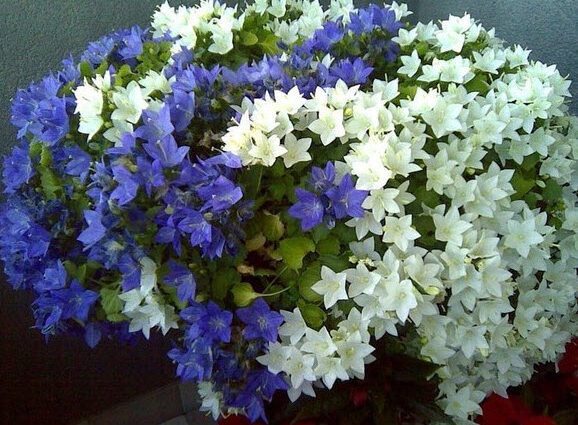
[[277, 189]]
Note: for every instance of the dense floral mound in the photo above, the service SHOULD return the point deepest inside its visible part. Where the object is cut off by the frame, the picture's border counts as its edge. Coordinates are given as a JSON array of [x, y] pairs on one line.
[[277, 189]]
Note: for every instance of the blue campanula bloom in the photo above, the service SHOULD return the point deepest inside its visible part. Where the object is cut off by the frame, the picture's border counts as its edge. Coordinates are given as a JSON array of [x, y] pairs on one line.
[[220, 194], [17, 168], [352, 73], [97, 51], [54, 278], [196, 226], [181, 277], [166, 151], [40, 111], [260, 321], [127, 185], [265, 382], [77, 301], [95, 230], [125, 147], [132, 43], [194, 363], [157, 125], [78, 162], [182, 108], [309, 209], [131, 272], [69, 71], [328, 201], [92, 334], [216, 323], [149, 174], [322, 178], [345, 199]]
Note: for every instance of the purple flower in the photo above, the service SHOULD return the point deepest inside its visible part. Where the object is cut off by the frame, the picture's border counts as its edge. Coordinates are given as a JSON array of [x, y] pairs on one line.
[[166, 151], [345, 199], [260, 321], [309, 209]]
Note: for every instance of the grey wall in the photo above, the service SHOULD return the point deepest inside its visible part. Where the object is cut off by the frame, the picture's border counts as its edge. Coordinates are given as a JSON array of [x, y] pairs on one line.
[[64, 380]]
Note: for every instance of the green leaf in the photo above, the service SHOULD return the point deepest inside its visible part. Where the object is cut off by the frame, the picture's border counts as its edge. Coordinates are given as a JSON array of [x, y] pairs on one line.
[[552, 192], [522, 184], [273, 227], [293, 250], [248, 38], [530, 161], [310, 276], [223, 281], [337, 263], [111, 303], [86, 70], [269, 44], [329, 246], [478, 84], [49, 183], [314, 316]]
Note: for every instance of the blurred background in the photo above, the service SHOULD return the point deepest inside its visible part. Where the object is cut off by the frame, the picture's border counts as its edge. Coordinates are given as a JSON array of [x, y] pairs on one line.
[[64, 382]]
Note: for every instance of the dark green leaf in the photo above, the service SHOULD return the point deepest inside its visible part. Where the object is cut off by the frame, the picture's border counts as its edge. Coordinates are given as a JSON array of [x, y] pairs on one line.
[[293, 250]]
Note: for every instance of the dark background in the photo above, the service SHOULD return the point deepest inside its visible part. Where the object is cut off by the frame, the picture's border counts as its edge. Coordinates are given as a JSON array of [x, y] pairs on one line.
[[63, 381]]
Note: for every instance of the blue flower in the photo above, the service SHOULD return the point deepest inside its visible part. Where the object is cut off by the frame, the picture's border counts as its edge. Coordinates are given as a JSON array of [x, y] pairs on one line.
[[17, 168], [150, 175], [194, 363], [40, 112], [97, 51], [220, 194], [95, 230], [131, 272], [309, 209], [345, 199], [132, 43], [182, 278], [352, 73], [157, 126], [260, 321], [216, 323], [77, 301], [166, 151], [54, 278], [322, 178], [127, 187], [182, 107], [78, 162], [194, 224]]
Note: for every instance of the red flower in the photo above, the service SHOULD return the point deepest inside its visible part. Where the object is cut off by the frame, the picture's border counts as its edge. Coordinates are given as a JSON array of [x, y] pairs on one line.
[[498, 410], [569, 362], [237, 420], [358, 396]]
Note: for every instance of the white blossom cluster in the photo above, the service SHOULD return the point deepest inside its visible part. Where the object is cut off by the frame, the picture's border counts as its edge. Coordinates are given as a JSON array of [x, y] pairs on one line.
[[495, 292]]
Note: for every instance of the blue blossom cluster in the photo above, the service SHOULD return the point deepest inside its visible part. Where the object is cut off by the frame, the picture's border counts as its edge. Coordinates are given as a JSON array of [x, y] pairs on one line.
[[329, 200], [222, 350]]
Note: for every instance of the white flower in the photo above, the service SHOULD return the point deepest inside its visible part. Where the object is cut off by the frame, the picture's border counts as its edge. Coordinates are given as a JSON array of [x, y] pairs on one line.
[[448, 40], [130, 102], [522, 235], [276, 357], [405, 37], [297, 150], [331, 286], [400, 298], [329, 125], [330, 369], [299, 367], [464, 402], [156, 81], [488, 62], [294, 326], [89, 103], [399, 231], [289, 102], [265, 149], [352, 354], [449, 227], [211, 400], [444, 118], [318, 343], [361, 280], [411, 64]]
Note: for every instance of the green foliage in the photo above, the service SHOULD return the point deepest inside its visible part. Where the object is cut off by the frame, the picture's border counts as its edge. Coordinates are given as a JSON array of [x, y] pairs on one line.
[[223, 280], [293, 250], [111, 303], [310, 276], [153, 57], [272, 226], [314, 315], [243, 294]]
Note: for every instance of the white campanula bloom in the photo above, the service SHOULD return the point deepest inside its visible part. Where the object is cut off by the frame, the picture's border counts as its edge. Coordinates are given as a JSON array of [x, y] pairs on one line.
[[129, 102], [329, 125], [331, 286], [411, 64]]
